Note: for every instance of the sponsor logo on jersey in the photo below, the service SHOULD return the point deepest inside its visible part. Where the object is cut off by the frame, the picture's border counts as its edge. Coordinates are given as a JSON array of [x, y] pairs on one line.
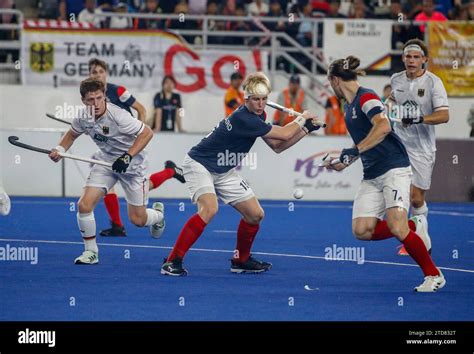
[[100, 137], [41, 57], [354, 113]]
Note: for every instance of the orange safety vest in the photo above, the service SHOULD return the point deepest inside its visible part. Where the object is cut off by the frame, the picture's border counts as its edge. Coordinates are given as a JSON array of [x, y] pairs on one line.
[[297, 106], [232, 95], [339, 126]]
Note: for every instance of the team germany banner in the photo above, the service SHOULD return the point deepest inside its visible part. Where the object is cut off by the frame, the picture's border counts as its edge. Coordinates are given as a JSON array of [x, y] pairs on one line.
[[451, 46]]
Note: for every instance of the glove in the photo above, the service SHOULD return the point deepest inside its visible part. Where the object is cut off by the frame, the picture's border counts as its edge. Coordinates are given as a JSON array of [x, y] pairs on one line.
[[310, 127], [348, 156], [121, 164], [416, 120]]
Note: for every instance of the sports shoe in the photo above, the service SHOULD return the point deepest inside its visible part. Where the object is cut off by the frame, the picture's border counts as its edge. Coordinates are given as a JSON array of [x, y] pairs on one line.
[[157, 229], [87, 257], [251, 265], [114, 231], [178, 172], [174, 268], [432, 283], [5, 204]]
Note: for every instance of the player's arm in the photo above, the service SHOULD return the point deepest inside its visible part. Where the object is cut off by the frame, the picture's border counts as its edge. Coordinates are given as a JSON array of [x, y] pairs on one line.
[[439, 116], [380, 129], [142, 140], [64, 144], [281, 138], [140, 110]]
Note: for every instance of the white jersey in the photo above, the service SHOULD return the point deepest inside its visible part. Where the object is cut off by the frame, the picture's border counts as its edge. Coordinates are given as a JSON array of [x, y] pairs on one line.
[[426, 93], [114, 133]]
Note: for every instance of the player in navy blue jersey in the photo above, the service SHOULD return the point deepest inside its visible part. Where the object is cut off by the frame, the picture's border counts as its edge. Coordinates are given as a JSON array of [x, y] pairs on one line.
[[209, 170], [385, 189], [121, 97]]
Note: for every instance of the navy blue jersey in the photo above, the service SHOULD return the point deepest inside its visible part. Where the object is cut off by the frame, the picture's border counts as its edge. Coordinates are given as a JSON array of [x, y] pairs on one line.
[[120, 96], [229, 142], [390, 153]]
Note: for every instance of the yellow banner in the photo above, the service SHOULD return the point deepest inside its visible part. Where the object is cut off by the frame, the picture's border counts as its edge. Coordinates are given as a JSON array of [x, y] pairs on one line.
[[451, 47]]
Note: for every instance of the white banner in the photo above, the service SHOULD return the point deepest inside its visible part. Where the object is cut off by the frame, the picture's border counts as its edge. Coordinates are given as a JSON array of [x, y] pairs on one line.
[[136, 59], [370, 41]]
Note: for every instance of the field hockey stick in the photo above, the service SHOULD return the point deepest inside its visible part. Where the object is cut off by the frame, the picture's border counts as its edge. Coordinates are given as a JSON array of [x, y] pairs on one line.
[[14, 140], [52, 116], [292, 112]]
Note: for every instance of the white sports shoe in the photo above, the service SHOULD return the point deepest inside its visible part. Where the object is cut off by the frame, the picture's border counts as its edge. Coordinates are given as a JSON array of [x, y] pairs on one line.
[[87, 257], [422, 230], [157, 229], [432, 283], [5, 204]]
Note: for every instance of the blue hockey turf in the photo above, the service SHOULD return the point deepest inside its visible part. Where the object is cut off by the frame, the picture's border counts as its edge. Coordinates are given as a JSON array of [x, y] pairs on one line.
[[302, 285]]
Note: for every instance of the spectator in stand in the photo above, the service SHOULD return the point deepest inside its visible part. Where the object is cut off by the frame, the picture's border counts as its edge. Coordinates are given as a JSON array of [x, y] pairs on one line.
[[239, 26], [359, 10], [214, 25], [335, 124], [387, 90], [234, 96], [258, 8], [291, 97], [229, 7], [48, 9], [305, 33], [88, 15], [320, 8], [381, 8], [69, 9], [276, 11], [151, 7], [168, 112], [334, 6], [429, 14], [135, 5], [177, 24], [121, 22]]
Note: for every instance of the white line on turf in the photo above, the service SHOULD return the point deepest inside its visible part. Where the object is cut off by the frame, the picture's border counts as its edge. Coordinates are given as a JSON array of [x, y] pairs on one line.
[[226, 251], [225, 231], [265, 205]]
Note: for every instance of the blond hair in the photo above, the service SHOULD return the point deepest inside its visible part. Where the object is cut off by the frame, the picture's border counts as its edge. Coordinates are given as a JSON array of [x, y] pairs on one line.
[[257, 84]]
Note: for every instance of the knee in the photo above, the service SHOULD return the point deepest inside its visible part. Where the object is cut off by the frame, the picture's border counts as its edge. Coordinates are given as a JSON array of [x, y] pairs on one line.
[[362, 232], [138, 220], [256, 217], [85, 206], [208, 212], [417, 201]]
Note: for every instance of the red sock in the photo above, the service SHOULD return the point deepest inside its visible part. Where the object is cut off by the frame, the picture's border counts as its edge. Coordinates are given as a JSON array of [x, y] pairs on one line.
[[245, 236], [382, 232], [159, 177], [417, 250], [113, 208], [189, 234]]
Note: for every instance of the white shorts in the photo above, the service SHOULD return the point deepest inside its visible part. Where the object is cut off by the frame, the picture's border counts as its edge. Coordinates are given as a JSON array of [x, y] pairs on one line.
[[133, 182], [422, 166], [375, 196], [229, 186]]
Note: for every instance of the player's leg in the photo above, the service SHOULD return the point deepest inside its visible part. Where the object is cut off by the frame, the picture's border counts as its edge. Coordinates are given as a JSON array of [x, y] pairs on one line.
[[200, 185], [252, 214], [112, 206], [170, 171], [396, 189], [5, 204], [86, 222], [422, 167], [99, 181]]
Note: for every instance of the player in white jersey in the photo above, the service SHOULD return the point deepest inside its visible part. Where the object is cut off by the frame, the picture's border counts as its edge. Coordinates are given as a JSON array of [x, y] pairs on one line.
[[421, 101], [121, 140], [5, 204]]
